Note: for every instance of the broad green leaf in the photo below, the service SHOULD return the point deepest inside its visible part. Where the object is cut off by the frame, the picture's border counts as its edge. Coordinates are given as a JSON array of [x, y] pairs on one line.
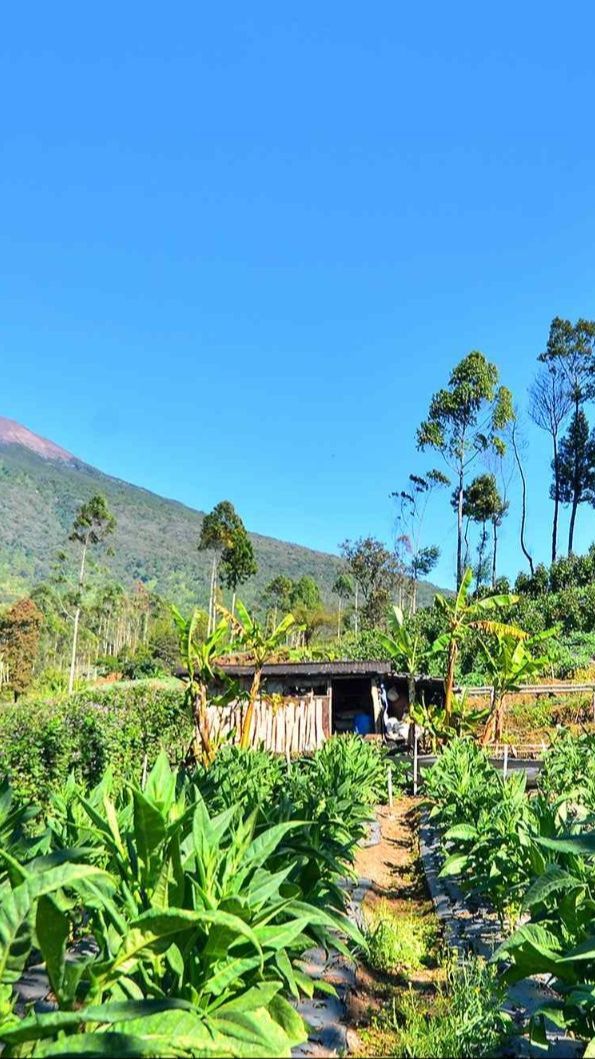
[[52, 928], [455, 864], [289, 1020], [463, 832]]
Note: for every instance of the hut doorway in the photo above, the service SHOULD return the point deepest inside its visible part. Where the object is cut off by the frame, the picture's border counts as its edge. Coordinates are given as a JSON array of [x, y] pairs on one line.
[[352, 705]]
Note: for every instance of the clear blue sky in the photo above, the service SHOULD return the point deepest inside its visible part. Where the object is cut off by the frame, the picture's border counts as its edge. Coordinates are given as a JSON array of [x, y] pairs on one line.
[[243, 243]]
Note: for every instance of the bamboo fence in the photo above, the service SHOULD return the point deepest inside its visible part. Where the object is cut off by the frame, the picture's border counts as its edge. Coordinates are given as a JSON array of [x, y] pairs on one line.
[[291, 728]]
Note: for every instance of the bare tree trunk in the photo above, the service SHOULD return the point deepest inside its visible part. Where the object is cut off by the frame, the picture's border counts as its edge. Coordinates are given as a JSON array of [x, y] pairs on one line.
[[212, 603], [571, 526], [77, 617], [519, 464], [460, 531], [489, 725], [449, 680], [556, 502]]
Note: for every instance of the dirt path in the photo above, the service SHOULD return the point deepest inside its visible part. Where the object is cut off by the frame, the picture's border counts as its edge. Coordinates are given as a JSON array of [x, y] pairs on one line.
[[391, 864], [394, 868]]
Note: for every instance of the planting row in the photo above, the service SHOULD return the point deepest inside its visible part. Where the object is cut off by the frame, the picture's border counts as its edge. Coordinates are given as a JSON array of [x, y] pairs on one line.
[[533, 859], [172, 916]]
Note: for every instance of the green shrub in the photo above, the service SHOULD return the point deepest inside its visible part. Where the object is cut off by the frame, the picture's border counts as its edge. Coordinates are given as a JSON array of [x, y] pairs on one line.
[[246, 778], [464, 1020], [41, 742], [460, 783], [397, 941], [568, 769], [197, 935]]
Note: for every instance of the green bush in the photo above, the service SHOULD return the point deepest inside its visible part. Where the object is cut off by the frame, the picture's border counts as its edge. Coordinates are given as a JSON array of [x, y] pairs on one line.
[[465, 1018], [247, 778], [397, 941], [197, 937], [568, 769], [41, 742]]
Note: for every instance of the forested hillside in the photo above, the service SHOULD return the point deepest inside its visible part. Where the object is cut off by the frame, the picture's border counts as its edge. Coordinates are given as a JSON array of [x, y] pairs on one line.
[[41, 486]]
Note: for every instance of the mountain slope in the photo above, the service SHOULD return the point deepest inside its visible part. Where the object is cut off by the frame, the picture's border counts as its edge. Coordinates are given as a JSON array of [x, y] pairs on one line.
[[41, 486]]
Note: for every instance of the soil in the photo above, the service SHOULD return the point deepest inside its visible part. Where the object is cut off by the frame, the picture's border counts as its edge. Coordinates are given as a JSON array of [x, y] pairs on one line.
[[395, 870]]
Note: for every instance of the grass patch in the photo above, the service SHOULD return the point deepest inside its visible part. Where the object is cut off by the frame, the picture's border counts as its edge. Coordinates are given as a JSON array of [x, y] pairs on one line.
[[460, 1018], [399, 942]]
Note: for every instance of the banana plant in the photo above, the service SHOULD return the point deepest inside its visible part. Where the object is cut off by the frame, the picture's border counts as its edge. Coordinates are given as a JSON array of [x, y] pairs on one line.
[[431, 718], [509, 661], [201, 669], [406, 649], [462, 614], [261, 642]]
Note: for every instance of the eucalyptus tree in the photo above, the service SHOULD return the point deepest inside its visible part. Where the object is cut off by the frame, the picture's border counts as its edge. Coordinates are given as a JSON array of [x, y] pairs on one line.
[[575, 469], [571, 349], [92, 525], [483, 504], [277, 595], [343, 589], [418, 560], [374, 569], [518, 445], [238, 563], [550, 401], [220, 529], [465, 419]]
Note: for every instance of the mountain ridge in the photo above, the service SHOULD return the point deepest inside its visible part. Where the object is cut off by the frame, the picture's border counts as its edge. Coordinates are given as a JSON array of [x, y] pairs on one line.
[[42, 485]]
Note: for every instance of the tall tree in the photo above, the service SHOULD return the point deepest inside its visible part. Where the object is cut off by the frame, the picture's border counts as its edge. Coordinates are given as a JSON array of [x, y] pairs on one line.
[[550, 402], [238, 564], [418, 560], [92, 525], [517, 448], [217, 535], [483, 504], [576, 469], [571, 347], [277, 595], [343, 590], [464, 420], [374, 569], [20, 629]]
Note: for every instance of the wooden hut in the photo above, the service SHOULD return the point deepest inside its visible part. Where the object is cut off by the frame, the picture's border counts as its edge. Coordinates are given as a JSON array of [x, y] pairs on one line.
[[303, 703]]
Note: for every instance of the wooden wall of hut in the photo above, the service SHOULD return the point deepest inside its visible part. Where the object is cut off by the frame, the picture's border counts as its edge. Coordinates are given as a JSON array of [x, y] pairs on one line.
[[294, 726]]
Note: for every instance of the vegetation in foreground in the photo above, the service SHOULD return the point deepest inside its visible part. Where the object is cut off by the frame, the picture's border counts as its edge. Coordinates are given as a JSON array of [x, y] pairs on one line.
[[190, 919], [532, 858]]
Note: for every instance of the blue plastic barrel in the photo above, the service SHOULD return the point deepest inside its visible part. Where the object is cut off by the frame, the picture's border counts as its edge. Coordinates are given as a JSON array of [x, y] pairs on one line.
[[363, 723]]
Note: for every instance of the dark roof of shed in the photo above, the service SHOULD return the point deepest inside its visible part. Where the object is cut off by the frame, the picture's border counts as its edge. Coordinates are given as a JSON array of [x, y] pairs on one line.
[[321, 669]]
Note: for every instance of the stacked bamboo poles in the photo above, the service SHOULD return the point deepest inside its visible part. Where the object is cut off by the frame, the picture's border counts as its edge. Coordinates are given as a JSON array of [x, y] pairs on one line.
[[292, 728]]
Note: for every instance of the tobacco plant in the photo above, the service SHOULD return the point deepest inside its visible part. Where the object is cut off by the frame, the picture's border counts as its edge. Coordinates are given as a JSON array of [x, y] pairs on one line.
[[192, 924]]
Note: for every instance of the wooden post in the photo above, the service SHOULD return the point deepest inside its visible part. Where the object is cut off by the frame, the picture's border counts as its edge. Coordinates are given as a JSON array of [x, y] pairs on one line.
[[415, 760]]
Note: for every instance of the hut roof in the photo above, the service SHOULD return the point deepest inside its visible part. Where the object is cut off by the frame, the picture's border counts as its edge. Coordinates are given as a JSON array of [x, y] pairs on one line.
[[374, 668]]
